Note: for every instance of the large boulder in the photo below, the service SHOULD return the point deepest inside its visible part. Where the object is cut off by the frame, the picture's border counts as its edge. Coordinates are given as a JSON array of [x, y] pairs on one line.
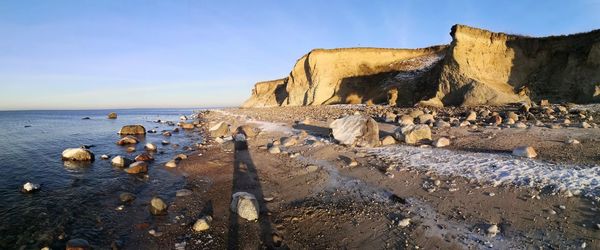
[[245, 205], [356, 130], [137, 168], [132, 130], [77, 154], [412, 134], [219, 129], [112, 115]]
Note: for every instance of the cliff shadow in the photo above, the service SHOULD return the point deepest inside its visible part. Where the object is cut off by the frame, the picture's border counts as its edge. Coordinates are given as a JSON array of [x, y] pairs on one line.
[[369, 88]]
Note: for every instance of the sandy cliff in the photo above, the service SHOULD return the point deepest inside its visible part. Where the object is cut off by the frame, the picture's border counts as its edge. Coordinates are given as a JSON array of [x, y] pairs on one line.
[[478, 67]]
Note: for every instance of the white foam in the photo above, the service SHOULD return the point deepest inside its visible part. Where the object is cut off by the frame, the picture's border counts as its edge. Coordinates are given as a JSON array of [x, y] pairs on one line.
[[495, 168]]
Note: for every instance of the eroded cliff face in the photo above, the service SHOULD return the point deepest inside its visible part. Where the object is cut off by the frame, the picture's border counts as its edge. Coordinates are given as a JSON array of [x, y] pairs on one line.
[[479, 67], [484, 67]]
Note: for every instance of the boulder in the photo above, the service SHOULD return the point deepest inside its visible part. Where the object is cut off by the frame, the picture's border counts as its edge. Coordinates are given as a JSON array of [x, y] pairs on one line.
[[120, 161], [426, 118], [158, 206], [219, 129], [356, 130], [181, 156], [137, 167], [77, 154], [112, 115], [144, 157], [127, 140], [132, 130], [245, 205], [524, 151], [150, 147], [77, 244], [441, 142], [413, 133]]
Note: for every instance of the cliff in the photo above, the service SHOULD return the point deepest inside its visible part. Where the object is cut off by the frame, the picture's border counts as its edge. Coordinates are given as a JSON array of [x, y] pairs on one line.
[[478, 67]]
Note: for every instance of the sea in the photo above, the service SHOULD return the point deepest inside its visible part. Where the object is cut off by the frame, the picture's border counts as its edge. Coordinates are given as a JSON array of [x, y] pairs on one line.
[[81, 201]]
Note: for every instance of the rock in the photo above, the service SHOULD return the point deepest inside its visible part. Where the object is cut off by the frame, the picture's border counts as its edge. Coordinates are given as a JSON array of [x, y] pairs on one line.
[[158, 206], [247, 130], [120, 161], [356, 130], [492, 230], [137, 167], [104, 157], [544, 102], [512, 115], [183, 118], [132, 130], [416, 113], [441, 142], [274, 150], [183, 192], [77, 154], [187, 125], [524, 151], [144, 157], [126, 197], [312, 168], [112, 115], [524, 108], [127, 140], [288, 141], [585, 125], [426, 118], [509, 121], [219, 129], [150, 147], [472, 116], [181, 157], [406, 120], [404, 222], [165, 142], [442, 124], [77, 244], [202, 224], [245, 205], [388, 140], [413, 133], [171, 164], [390, 117], [520, 125], [495, 120], [30, 187], [85, 118], [573, 142], [167, 133]]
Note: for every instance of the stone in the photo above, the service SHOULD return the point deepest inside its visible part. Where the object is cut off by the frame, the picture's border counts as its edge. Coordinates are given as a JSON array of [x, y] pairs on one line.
[[132, 130], [120, 161], [388, 140], [202, 224], [183, 192], [413, 133], [150, 147], [524, 151], [30, 187], [77, 244], [312, 168], [167, 133], [137, 167], [495, 120], [274, 150], [404, 222], [426, 118], [524, 107], [186, 125], [492, 230], [77, 154], [158, 206], [288, 141], [392, 97], [245, 205], [181, 156], [104, 157], [126, 197], [406, 120], [144, 157], [247, 130], [441, 142], [509, 121], [171, 164], [544, 102], [219, 129], [585, 125], [127, 140], [390, 117], [112, 115], [573, 142], [165, 142], [472, 116], [356, 130], [442, 124], [520, 125], [416, 113], [512, 115]]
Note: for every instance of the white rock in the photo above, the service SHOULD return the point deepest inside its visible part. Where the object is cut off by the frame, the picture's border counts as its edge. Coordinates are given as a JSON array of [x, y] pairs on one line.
[[245, 205], [30, 187], [493, 230], [274, 150], [183, 192], [104, 157], [573, 142], [404, 222], [356, 130], [77, 154], [171, 164], [150, 147], [585, 125], [441, 142], [120, 161], [524, 151], [202, 224]]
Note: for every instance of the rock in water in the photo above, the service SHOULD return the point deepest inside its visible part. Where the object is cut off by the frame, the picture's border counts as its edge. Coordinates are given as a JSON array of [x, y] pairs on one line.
[[78, 244], [144, 157], [126, 197], [77, 154], [137, 167], [245, 205], [187, 125], [30, 187], [132, 130], [219, 129], [127, 140], [120, 161], [524, 151], [112, 115], [202, 224], [441, 142], [171, 164], [150, 147], [158, 206], [413, 133], [356, 130]]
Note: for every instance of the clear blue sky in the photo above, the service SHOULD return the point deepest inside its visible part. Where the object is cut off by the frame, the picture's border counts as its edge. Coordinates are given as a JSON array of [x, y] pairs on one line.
[[124, 54]]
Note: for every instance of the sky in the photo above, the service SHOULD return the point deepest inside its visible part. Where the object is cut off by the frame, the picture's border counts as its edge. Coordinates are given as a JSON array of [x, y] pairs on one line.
[[168, 54]]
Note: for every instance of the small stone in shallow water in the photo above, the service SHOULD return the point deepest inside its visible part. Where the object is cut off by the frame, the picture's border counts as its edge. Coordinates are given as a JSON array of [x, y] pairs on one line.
[[158, 206], [562, 207], [30, 187], [104, 157]]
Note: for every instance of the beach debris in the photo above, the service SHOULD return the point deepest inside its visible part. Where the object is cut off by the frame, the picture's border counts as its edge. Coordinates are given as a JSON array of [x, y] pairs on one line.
[[30, 187], [441, 142], [356, 130], [245, 205], [157, 206], [77, 154], [127, 140], [137, 167], [202, 224], [126, 197], [524, 151], [412, 134], [120, 161], [112, 115], [132, 130], [219, 129], [77, 244]]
